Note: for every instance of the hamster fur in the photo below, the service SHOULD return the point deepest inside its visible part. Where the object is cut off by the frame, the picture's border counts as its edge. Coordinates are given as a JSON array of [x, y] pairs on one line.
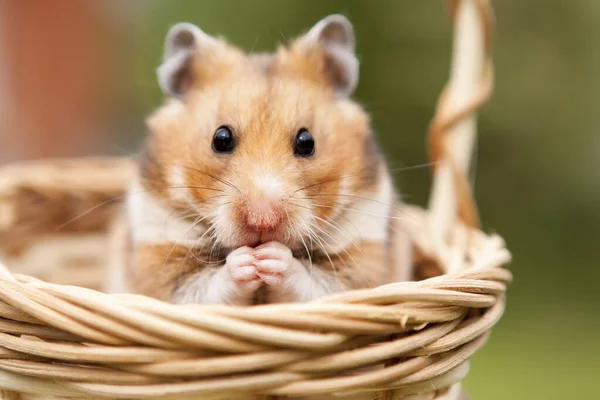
[[261, 223]]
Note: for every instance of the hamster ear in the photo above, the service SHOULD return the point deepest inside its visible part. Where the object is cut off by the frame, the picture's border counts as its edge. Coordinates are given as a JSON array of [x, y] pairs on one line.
[[184, 42], [333, 40]]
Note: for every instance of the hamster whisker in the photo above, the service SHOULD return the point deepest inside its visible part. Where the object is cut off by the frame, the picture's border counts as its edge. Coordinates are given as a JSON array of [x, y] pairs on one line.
[[366, 281], [299, 235], [180, 216], [215, 245], [335, 242], [310, 263], [400, 169], [327, 181], [315, 237], [337, 255], [191, 211], [112, 199], [192, 187], [207, 262], [91, 209], [346, 208], [311, 196], [210, 198], [203, 243], [339, 214], [417, 166], [208, 230], [211, 231], [291, 233], [347, 253], [223, 181], [200, 219], [343, 232], [194, 224]]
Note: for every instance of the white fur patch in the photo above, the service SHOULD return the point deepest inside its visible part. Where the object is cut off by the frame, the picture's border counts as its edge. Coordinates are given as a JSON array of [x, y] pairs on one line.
[[348, 108], [172, 109], [269, 185], [306, 283], [152, 222], [179, 191], [364, 219], [208, 286], [225, 227], [343, 199]]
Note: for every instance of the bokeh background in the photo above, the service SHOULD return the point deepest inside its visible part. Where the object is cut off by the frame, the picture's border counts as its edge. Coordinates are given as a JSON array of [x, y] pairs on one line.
[[77, 77]]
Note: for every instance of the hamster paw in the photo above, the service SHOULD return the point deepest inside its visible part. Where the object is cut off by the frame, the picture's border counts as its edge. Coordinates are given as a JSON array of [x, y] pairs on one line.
[[243, 273], [273, 262]]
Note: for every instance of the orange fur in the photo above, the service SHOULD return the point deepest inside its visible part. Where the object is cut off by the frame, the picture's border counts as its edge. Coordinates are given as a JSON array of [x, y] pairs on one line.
[[158, 268], [362, 265]]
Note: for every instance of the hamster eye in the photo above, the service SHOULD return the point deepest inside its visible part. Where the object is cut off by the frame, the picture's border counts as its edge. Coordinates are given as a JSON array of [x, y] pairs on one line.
[[304, 145], [223, 141]]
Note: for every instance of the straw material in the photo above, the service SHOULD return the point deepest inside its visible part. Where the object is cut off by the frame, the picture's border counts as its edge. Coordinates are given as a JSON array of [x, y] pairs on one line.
[[406, 340]]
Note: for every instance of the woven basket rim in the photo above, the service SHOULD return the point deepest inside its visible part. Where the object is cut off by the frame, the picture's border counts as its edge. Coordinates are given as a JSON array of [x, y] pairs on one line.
[[141, 345]]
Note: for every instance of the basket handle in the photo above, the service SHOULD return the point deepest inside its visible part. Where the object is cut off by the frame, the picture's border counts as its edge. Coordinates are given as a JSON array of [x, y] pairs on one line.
[[452, 132]]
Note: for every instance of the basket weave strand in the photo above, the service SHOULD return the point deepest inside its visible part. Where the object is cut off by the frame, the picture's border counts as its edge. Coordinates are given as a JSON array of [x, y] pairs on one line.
[[452, 133], [301, 361], [60, 337]]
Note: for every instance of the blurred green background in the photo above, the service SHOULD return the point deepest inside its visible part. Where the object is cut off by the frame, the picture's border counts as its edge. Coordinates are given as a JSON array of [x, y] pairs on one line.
[[538, 168]]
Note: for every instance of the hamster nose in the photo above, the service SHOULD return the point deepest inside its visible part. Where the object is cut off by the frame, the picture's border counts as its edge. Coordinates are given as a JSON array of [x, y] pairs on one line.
[[263, 216]]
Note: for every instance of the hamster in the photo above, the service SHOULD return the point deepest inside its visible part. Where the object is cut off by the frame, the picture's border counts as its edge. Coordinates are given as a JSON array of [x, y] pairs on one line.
[[260, 179]]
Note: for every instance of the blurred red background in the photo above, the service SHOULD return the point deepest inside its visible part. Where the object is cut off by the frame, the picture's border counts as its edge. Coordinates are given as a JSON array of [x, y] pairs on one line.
[[52, 76]]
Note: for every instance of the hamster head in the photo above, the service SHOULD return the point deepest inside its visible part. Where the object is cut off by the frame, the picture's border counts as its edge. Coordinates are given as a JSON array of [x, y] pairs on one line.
[[260, 147]]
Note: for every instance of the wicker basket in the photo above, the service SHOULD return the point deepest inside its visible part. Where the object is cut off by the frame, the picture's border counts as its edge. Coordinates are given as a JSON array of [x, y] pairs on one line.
[[59, 337]]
